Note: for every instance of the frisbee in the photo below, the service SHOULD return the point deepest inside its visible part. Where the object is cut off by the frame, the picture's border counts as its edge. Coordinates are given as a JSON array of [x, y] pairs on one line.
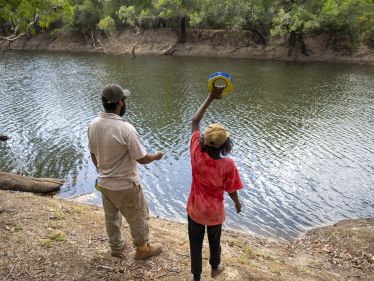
[[97, 185], [220, 79]]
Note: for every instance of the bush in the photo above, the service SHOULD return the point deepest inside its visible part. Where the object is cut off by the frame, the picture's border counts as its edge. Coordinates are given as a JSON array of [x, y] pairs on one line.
[[107, 25]]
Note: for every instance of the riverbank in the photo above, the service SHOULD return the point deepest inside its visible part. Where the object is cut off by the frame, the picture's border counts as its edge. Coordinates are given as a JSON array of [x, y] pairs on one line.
[[43, 238], [212, 43]]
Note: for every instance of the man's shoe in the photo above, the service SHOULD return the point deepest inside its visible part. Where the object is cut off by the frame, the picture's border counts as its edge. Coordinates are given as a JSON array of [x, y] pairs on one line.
[[146, 251], [217, 271]]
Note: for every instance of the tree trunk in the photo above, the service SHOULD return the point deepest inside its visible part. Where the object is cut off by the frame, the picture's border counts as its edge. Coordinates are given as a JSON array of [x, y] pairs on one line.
[[291, 43], [182, 30], [28, 184], [259, 35], [296, 44], [302, 46]]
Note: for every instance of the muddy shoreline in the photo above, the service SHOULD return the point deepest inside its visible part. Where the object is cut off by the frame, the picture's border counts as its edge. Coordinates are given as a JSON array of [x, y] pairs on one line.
[[44, 238], [207, 43]]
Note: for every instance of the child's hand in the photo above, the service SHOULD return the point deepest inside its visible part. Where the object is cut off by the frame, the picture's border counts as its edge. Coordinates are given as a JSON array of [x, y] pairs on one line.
[[216, 92], [238, 207]]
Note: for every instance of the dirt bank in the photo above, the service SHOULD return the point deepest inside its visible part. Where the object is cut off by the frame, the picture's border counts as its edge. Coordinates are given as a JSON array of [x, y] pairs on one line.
[[49, 239], [218, 43]]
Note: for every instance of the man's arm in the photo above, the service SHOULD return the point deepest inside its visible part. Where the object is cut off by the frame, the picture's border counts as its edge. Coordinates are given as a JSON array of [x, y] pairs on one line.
[[215, 94], [150, 157], [94, 160], [234, 197]]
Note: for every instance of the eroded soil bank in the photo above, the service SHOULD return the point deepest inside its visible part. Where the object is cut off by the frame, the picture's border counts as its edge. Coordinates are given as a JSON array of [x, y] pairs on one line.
[[217, 43], [43, 238]]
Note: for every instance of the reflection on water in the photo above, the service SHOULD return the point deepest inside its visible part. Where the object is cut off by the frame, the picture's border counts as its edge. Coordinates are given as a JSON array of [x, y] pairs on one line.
[[303, 133]]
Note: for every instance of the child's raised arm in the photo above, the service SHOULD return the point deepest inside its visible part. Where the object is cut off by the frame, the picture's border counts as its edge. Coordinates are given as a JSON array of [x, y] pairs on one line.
[[215, 94]]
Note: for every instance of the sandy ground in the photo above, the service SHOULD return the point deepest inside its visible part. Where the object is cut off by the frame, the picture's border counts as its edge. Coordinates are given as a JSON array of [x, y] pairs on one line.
[[216, 43], [43, 238]]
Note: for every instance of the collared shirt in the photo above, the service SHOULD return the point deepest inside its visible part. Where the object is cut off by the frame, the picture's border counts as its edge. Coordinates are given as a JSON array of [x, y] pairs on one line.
[[116, 146], [210, 179]]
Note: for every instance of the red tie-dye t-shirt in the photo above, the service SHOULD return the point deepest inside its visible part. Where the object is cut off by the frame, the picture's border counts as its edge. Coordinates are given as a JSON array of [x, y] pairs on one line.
[[210, 179]]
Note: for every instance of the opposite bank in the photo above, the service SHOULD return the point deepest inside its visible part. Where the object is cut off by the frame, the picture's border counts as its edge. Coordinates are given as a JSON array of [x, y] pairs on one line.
[[213, 43]]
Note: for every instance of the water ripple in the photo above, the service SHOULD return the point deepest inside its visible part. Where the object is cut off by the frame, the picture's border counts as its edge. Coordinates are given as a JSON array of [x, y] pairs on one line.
[[303, 133]]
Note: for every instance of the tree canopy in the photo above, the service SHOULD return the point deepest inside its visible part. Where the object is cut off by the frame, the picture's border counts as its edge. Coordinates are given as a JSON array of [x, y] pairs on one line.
[[353, 19]]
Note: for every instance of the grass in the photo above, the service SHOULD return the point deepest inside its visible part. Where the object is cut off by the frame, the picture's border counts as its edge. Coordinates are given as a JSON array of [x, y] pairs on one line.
[[52, 225], [18, 227], [57, 236], [243, 259], [47, 243], [58, 215], [276, 271], [80, 209], [54, 236]]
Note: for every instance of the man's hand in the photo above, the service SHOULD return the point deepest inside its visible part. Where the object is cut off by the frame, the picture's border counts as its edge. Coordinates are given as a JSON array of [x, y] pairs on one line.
[[4, 138], [150, 157], [238, 207], [158, 155]]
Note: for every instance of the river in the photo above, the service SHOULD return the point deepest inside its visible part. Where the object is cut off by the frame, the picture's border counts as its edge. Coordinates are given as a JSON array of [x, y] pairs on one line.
[[303, 132]]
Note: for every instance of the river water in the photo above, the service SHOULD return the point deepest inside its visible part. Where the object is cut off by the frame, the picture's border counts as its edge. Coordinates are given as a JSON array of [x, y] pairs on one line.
[[303, 133]]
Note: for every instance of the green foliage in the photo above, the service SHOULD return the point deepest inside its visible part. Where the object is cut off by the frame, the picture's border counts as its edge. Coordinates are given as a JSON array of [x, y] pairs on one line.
[[345, 18], [171, 11], [86, 17], [22, 16], [107, 25], [301, 18], [352, 19], [141, 13], [128, 15]]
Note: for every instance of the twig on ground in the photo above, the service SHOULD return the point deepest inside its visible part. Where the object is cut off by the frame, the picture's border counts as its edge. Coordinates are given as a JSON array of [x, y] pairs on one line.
[[11, 270], [105, 267]]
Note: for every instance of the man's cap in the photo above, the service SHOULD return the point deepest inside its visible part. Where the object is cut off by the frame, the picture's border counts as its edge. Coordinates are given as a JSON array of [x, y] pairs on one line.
[[215, 135], [113, 93]]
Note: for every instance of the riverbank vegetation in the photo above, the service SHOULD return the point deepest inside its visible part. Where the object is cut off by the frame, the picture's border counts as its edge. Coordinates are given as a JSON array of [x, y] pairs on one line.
[[351, 21]]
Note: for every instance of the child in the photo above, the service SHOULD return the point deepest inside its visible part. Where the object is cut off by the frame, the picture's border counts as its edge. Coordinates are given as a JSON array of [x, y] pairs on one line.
[[212, 174]]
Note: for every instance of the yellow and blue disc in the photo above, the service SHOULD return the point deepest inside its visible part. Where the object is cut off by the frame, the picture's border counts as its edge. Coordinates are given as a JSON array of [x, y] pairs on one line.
[[97, 185], [220, 79]]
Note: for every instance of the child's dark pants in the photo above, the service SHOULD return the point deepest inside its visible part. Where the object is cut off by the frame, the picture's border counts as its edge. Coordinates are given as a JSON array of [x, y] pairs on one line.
[[196, 233]]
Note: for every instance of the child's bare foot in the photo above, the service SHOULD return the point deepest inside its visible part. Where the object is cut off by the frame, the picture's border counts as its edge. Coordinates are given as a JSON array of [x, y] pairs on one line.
[[217, 271]]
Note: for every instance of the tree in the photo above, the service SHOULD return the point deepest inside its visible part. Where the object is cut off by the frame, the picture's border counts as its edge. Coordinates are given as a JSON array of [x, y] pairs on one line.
[[107, 25], [352, 18], [86, 16], [179, 10], [23, 16], [302, 17], [139, 14]]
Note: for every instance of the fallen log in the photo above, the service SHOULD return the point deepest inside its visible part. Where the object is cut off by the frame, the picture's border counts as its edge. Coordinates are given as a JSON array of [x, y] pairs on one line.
[[28, 184]]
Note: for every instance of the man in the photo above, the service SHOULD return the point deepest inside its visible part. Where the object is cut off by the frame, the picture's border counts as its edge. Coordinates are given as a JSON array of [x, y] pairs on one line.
[[115, 150]]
